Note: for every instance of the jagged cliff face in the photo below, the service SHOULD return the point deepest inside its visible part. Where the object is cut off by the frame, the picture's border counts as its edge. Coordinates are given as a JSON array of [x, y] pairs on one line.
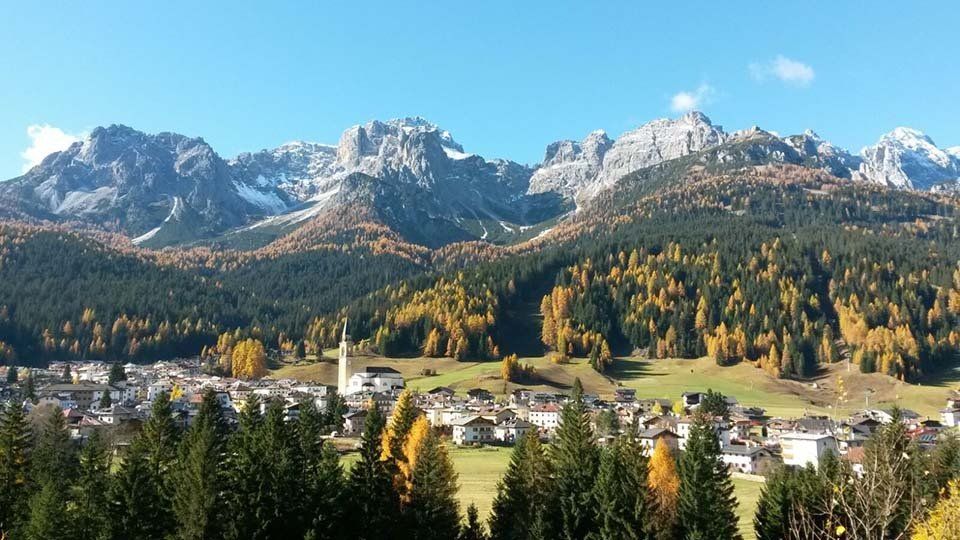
[[167, 188], [906, 158], [132, 181]]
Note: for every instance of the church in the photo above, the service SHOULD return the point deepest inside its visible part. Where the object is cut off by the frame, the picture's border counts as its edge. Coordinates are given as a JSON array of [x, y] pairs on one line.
[[370, 379]]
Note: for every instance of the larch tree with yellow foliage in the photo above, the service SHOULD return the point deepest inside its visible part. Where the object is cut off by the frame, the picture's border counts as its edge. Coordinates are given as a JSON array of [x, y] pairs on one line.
[[664, 485]]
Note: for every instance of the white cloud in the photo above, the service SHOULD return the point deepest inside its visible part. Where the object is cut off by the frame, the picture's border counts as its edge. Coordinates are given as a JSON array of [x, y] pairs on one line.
[[787, 70], [45, 140], [682, 102]]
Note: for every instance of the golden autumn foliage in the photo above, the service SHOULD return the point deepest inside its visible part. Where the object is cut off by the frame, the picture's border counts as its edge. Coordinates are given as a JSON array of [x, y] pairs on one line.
[[943, 522], [249, 359], [664, 484]]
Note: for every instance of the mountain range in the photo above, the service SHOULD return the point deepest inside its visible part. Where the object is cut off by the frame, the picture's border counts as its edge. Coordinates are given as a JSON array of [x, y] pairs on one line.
[[169, 189]]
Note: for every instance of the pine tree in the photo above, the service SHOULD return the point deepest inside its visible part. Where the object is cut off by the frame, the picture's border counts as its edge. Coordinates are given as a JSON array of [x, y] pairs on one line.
[[322, 476], [620, 494], [706, 507], [472, 529], [105, 400], [117, 374], [433, 510], [159, 438], [137, 508], [664, 487], [14, 466], [91, 517], [772, 518], [48, 513], [372, 503], [522, 491], [575, 460], [197, 477], [53, 458], [12, 375], [266, 479]]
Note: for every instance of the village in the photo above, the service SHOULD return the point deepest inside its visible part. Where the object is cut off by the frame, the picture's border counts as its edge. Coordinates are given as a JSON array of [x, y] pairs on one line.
[[115, 400]]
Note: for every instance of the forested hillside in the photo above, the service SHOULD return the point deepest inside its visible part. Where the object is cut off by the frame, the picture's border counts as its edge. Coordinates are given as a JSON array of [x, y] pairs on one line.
[[722, 255]]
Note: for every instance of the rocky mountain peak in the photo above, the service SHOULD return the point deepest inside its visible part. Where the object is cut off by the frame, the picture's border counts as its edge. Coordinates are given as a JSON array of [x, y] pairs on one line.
[[908, 158]]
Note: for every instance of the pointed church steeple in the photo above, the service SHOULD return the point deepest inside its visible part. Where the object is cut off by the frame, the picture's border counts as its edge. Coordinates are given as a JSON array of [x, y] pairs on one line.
[[344, 365]]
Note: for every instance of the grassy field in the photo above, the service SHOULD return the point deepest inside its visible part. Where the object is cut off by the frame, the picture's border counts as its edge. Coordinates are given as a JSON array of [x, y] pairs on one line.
[[667, 379], [481, 468]]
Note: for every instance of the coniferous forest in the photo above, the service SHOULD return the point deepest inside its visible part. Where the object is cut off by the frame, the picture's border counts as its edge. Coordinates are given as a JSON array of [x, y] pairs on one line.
[[267, 477], [785, 267]]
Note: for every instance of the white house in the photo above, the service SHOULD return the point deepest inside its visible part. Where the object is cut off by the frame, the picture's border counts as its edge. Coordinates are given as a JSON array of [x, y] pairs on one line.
[[512, 430], [720, 426], [649, 437], [744, 459], [375, 379], [473, 429], [802, 448], [950, 417], [546, 417]]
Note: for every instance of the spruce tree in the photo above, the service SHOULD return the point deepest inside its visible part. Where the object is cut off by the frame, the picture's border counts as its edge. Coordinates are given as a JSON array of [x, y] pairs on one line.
[[772, 518], [473, 528], [706, 508], [433, 509], [197, 477], [242, 464], [523, 491], [53, 458], [117, 374], [90, 509], [105, 400], [621, 496], [372, 503], [12, 375], [575, 460], [48, 513], [266, 481], [159, 439], [323, 477], [138, 510], [14, 466]]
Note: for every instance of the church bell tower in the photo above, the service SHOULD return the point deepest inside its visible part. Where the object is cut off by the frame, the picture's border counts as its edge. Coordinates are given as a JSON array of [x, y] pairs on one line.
[[344, 371]]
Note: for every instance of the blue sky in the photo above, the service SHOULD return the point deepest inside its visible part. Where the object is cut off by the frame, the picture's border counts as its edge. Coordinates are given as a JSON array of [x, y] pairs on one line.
[[506, 78]]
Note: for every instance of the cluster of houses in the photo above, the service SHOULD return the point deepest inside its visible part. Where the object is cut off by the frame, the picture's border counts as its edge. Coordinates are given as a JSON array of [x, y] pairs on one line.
[[751, 441]]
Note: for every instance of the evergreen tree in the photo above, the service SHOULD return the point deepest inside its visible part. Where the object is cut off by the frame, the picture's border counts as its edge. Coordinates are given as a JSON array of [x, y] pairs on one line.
[[433, 510], [706, 508], [53, 458], [159, 439], [90, 509], [29, 390], [322, 474], [117, 374], [105, 400], [14, 466], [12, 375], [48, 513], [664, 487], [265, 478], [372, 503], [332, 418], [242, 465], [197, 477], [138, 510], [473, 528], [522, 492], [945, 460], [575, 460], [67, 375], [772, 518], [620, 494]]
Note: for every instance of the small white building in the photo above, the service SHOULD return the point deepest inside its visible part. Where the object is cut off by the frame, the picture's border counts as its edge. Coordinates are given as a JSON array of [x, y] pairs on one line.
[[801, 449], [546, 417], [744, 459], [649, 437], [720, 426], [950, 417], [375, 379], [510, 431], [472, 430]]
